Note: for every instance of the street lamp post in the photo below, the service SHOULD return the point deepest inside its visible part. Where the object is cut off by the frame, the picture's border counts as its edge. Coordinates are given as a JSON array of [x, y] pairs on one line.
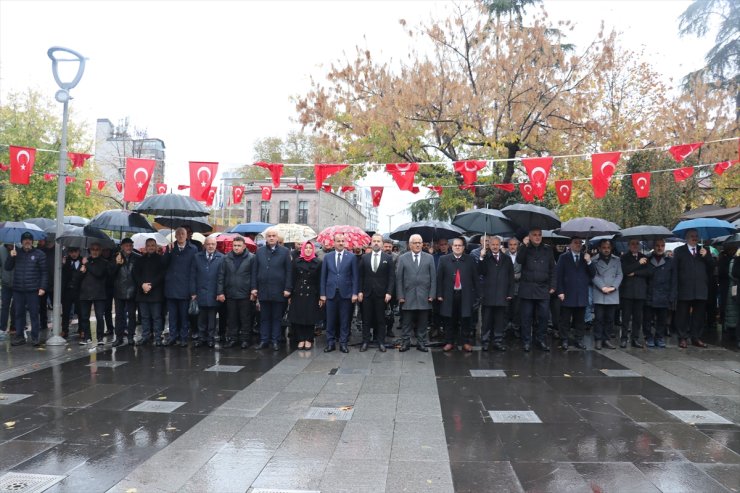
[[62, 96]]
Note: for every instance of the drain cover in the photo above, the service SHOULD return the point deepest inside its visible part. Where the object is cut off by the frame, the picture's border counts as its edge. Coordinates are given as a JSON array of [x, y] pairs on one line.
[[330, 413], [279, 490], [487, 373], [27, 483]]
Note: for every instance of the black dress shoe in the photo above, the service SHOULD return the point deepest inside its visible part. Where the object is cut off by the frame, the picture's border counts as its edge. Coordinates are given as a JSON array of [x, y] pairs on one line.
[[159, 343], [330, 348], [542, 346], [484, 346], [382, 348], [564, 345], [245, 345], [363, 348], [497, 346], [183, 344], [343, 348], [37, 343], [637, 344], [276, 347], [197, 344], [597, 345], [607, 344], [422, 348], [622, 343], [580, 345], [229, 344], [119, 342], [526, 347], [211, 344], [263, 345], [404, 347], [18, 341], [170, 342]]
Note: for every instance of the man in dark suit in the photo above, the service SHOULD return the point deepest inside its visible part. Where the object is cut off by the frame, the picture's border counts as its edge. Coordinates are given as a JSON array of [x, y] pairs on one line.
[[694, 267], [535, 287], [497, 290], [573, 280], [457, 277], [203, 287], [340, 280], [377, 279], [148, 273], [633, 293]]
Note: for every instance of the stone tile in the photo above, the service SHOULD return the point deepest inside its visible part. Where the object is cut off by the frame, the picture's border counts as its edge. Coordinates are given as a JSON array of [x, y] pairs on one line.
[[106, 364], [411, 407], [288, 404], [728, 475], [218, 474], [615, 476], [487, 373], [271, 382], [344, 384], [419, 442], [413, 477], [514, 417], [692, 443], [418, 384], [263, 433], [327, 399], [342, 413], [375, 407], [6, 399], [700, 417], [680, 478], [475, 477], [380, 384], [310, 439], [620, 373], [640, 409], [15, 452], [364, 440], [225, 368], [157, 406], [550, 477], [291, 474], [354, 476], [307, 382]]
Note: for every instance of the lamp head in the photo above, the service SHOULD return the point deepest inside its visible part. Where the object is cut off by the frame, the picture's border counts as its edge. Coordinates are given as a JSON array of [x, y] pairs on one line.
[[71, 78]]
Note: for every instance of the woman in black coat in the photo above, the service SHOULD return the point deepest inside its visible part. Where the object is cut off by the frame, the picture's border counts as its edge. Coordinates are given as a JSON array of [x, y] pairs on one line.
[[305, 307]]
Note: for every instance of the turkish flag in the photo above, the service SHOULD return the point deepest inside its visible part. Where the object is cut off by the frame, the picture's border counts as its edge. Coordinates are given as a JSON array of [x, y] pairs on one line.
[[603, 167], [210, 196], [183, 187], [377, 193], [527, 191], [720, 168], [681, 152], [201, 179], [538, 169], [682, 174], [101, 185], [138, 175], [326, 188], [403, 174], [564, 189], [469, 170], [297, 187], [266, 192], [506, 187], [4, 167], [21, 164], [78, 159], [437, 189], [468, 187], [275, 169], [641, 184], [49, 176], [415, 189], [88, 187], [347, 188], [324, 171], [161, 188], [119, 186], [237, 192], [69, 179]]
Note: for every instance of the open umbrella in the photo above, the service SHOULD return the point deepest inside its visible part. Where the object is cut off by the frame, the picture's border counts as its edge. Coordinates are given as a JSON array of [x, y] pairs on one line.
[[42, 222], [295, 233], [171, 205], [11, 231], [530, 216], [76, 220], [139, 239], [84, 236], [122, 221], [353, 236], [707, 228], [553, 238], [587, 227], [197, 224], [250, 228], [429, 230], [732, 241], [645, 232], [486, 221]]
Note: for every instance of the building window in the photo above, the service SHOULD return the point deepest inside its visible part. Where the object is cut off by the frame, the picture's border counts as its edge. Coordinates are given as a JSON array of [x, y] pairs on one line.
[[283, 211], [302, 212], [249, 211], [265, 211]]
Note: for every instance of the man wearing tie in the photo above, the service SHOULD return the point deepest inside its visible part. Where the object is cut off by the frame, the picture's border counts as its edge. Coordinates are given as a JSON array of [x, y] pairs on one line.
[[457, 277], [377, 279], [338, 289], [693, 266], [204, 271], [497, 289], [416, 287], [573, 282]]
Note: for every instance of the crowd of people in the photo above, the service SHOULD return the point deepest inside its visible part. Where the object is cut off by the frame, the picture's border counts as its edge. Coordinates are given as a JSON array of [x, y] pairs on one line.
[[446, 291]]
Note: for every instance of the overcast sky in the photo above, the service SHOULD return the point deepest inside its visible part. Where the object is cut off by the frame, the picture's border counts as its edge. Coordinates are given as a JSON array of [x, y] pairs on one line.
[[209, 77]]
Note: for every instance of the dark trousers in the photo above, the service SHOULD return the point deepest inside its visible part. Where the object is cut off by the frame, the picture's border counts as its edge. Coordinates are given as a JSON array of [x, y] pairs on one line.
[[271, 314], [373, 316], [458, 327], [529, 310], [494, 320], [302, 332], [414, 320], [125, 318], [555, 304], [151, 320], [86, 306], [240, 318], [109, 327], [660, 316], [44, 310], [690, 317], [6, 296], [632, 310], [69, 302], [604, 321], [177, 310], [26, 301], [575, 315], [513, 313], [207, 323], [338, 316]]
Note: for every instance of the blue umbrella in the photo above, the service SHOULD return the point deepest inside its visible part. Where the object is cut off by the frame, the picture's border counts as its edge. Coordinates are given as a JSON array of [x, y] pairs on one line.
[[250, 228], [708, 228], [11, 231]]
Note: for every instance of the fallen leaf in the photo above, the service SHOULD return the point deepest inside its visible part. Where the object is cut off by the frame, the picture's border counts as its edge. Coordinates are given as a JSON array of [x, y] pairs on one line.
[[131, 490], [162, 398], [515, 375], [9, 424], [171, 428], [105, 435], [566, 375], [429, 481], [345, 408]]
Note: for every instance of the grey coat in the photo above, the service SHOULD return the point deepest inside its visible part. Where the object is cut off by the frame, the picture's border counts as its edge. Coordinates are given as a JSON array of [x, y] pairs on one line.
[[6, 276], [415, 284], [606, 275]]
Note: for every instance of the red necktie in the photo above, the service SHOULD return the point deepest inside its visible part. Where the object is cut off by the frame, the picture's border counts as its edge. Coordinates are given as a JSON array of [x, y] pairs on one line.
[[457, 279]]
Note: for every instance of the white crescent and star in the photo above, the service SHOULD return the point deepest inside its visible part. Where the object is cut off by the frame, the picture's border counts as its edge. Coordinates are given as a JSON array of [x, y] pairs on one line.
[[403, 168], [527, 188], [471, 166], [564, 189], [140, 183], [25, 154], [608, 164], [208, 171], [642, 182]]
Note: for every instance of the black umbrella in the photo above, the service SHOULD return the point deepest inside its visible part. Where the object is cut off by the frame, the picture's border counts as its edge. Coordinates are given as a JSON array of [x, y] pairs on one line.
[[487, 221], [529, 216], [646, 232], [554, 238], [76, 220], [587, 227], [732, 241], [84, 236], [429, 231], [122, 221], [42, 222], [197, 224], [171, 205]]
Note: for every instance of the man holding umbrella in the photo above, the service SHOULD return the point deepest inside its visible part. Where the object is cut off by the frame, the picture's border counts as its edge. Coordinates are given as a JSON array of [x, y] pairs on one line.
[[536, 284], [30, 279], [124, 291]]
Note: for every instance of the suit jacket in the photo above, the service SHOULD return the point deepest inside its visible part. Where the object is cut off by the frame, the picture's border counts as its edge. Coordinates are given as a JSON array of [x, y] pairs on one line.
[[517, 272], [538, 271], [177, 278], [692, 274], [272, 273], [448, 266], [573, 280], [377, 283], [415, 284], [498, 279], [345, 277], [606, 274], [150, 268], [204, 278], [634, 286]]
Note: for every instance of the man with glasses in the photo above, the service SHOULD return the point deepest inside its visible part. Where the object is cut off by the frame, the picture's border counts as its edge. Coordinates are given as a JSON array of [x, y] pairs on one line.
[[457, 277], [416, 288], [537, 283], [573, 281], [339, 286], [661, 295]]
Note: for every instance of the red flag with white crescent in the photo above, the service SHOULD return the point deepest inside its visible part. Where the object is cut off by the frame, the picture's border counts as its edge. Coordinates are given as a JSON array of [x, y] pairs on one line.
[[101, 185], [4, 167], [210, 196], [49, 176], [138, 175], [403, 174], [538, 169], [119, 186], [78, 159], [324, 171], [527, 191], [564, 189], [506, 187], [641, 184], [275, 169], [437, 189], [161, 188], [237, 192], [603, 167], [681, 152], [88, 187], [469, 170], [682, 174], [720, 168], [377, 193], [69, 179], [21, 164], [201, 178], [347, 188], [266, 192]]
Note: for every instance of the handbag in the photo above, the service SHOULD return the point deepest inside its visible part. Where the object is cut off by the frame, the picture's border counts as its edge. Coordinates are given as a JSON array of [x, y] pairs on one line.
[[193, 309]]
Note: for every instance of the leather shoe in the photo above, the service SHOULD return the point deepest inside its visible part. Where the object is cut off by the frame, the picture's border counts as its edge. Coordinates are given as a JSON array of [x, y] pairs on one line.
[[363, 348], [682, 344], [607, 344], [526, 347], [381, 348], [404, 347], [343, 348], [564, 345], [276, 347], [263, 345], [330, 348], [211, 344], [484, 346], [119, 342], [245, 345], [637, 344], [448, 347], [499, 347], [422, 348], [197, 344], [158, 343], [18, 341], [170, 342], [698, 343], [467, 348], [229, 344], [623, 343], [542, 346], [597, 345], [580, 345]]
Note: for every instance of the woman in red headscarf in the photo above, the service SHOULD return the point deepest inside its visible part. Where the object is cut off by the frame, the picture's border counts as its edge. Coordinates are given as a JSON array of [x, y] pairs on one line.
[[305, 307]]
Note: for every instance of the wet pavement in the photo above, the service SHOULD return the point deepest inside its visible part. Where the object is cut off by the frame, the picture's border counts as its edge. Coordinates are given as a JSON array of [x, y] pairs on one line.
[[172, 419]]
